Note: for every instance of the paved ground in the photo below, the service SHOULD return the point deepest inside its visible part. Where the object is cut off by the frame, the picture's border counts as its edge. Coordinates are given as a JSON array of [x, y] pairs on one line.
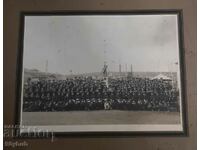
[[100, 117]]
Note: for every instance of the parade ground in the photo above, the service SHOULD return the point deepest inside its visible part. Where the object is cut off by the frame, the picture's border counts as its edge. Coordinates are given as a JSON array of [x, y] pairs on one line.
[[100, 117]]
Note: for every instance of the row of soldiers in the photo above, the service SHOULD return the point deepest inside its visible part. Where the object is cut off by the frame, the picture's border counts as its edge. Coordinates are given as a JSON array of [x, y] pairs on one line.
[[92, 94]]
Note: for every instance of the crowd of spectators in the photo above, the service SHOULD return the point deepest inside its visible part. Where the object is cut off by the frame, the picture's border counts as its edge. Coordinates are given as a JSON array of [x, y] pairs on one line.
[[86, 93]]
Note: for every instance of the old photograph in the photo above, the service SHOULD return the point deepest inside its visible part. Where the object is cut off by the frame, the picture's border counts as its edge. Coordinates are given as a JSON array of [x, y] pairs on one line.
[[94, 73]]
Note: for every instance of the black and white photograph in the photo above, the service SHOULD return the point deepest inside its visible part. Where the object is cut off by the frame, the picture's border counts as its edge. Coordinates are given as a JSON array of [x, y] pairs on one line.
[[101, 73]]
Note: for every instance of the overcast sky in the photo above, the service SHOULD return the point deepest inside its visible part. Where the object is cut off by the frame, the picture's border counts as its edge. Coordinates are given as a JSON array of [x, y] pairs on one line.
[[82, 43]]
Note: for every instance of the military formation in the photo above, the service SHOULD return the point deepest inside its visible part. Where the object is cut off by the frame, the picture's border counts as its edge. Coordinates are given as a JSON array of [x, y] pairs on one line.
[[87, 93]]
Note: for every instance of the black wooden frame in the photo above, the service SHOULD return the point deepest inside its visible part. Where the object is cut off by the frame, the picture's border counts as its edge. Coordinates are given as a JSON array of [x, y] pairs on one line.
[[19, 66]]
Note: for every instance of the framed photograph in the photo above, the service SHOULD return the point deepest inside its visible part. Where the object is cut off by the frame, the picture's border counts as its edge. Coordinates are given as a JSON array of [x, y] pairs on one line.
[[101, 73]]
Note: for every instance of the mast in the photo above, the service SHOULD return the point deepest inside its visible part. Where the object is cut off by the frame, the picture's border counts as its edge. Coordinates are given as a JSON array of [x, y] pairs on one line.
[[120, 68], [105, 67], [131, 69], [46, 66]]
